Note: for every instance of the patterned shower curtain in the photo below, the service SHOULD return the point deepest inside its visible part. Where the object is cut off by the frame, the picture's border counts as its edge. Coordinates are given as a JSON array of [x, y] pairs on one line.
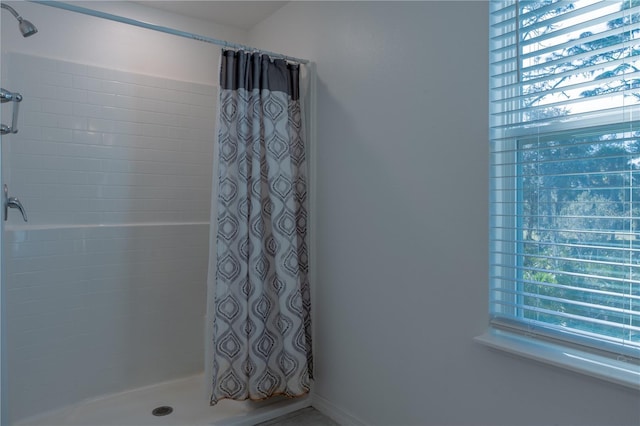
[[261, 319]]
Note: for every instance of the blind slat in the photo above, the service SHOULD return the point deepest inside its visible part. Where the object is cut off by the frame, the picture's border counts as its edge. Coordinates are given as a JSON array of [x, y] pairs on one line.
[[584, 319], [581, 25], [594, 246], [585, 290], [510, 86], [603, 116], [537, 16], [604, 309], [552, 233], [522, 99], [573, 42], [569, 274]]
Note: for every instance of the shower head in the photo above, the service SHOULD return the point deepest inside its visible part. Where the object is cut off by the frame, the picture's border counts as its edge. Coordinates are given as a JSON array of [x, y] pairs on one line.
[[26, 28]]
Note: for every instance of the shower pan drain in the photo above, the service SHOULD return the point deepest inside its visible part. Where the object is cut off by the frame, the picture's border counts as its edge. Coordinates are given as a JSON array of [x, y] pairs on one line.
[[165, 410]]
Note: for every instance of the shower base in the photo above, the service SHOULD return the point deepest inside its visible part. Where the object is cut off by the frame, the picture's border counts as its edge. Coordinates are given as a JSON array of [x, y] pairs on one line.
[[186, 397]]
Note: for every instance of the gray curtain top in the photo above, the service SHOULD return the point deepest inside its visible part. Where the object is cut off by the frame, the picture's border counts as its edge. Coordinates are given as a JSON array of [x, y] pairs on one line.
[[249, 71]]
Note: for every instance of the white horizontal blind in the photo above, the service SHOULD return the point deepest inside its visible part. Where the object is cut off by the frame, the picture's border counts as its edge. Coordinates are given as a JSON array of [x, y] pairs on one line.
[[565, 172]]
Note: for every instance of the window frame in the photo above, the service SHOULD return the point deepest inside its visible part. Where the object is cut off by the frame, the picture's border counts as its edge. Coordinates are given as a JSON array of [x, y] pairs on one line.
[[559, 348]]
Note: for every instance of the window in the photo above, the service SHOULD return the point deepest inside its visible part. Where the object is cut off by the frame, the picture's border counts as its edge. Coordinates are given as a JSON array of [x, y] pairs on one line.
[[565, 173]]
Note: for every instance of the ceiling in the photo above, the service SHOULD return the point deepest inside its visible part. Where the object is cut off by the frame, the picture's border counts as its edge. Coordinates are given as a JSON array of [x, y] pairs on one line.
[[239, 13]]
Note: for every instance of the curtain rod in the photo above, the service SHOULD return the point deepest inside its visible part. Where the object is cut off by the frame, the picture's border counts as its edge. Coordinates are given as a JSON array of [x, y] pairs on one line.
[[160, 28]]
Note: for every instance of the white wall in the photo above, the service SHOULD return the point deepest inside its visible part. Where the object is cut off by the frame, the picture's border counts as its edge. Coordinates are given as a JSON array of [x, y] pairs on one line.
[[402, 201], [105, 285]]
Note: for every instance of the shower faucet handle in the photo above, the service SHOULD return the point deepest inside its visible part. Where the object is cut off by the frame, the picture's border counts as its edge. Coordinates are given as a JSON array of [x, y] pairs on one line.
[[7, 96], [16, 98], [14, 203]]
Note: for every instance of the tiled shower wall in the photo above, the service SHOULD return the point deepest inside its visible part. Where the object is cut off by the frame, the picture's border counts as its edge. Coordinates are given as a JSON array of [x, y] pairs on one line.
[[108, 147], [106, 283]]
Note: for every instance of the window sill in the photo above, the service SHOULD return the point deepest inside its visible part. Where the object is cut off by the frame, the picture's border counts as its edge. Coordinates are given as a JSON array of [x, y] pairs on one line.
[[619, 372]]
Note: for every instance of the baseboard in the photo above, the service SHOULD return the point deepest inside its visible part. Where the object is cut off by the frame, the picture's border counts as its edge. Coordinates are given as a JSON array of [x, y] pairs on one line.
[[334, 412]]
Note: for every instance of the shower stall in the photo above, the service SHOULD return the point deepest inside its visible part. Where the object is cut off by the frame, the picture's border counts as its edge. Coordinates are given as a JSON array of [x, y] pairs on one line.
[[104, 287]]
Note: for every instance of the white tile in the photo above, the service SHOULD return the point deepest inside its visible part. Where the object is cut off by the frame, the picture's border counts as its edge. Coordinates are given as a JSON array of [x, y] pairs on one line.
[[30, 132], [57, 79], [83, 218], [87, 110], [48, 92], [79, 81], [56, 106], [87, 83], [86, 137], [118, 88], [72, 122], [100, 98], [70, 68], [159, 118], [100, 125], [71, 94], [56, 134], [96, 178], [99, 72], [128, 128], [26, 161], [198, 111], [75, 164], [30, 104], [143, 80], [40, 119]]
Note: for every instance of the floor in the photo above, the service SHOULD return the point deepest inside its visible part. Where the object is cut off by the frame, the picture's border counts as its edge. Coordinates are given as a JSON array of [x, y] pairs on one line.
[[306, 417]]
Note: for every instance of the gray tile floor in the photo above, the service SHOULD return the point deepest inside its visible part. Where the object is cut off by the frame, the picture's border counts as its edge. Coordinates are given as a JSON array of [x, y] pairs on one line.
[[306, 417]]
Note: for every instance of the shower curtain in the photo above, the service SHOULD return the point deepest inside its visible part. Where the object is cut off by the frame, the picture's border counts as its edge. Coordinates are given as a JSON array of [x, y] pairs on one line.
[[259, 302]]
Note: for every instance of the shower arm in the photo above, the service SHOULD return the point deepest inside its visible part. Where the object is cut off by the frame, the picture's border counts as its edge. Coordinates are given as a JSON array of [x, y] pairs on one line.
[[12, 10]]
